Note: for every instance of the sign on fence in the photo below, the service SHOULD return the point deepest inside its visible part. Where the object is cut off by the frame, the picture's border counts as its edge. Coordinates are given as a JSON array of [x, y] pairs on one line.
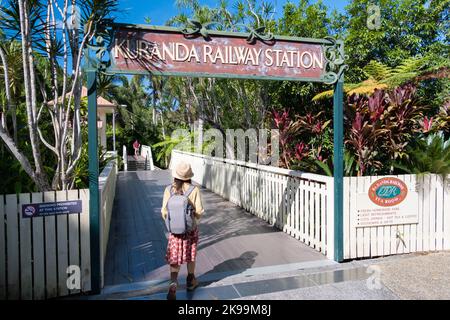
[[51, 209], [387, 202]]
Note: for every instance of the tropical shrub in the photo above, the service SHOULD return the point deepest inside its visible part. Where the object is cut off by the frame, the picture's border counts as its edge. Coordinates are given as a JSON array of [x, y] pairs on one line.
[[165, 147], [443, 119], [283, 123], [381, 126], [81, 172], [428, 155], [378, 129]]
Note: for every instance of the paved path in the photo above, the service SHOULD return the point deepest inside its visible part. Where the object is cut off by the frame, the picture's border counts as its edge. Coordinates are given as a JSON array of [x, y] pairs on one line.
[[418, 276], [231, 240]]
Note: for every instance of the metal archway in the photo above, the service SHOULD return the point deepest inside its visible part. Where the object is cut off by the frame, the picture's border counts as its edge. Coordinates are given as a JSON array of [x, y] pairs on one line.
[[196, 51]]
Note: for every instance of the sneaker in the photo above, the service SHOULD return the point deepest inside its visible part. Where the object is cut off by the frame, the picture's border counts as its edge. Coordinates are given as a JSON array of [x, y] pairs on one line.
[[191, 284], [172, 294]]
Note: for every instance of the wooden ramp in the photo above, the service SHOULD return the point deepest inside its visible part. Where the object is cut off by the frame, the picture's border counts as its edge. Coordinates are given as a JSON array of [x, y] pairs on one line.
[[230, 238]]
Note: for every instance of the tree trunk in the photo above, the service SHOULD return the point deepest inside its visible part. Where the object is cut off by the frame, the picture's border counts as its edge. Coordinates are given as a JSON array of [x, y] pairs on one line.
[[4, 121], [30, 93], [14, 122], [162, 126]]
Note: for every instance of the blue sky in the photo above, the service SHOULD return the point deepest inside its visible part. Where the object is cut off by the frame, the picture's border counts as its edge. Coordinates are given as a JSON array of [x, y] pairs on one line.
[[159, 11]]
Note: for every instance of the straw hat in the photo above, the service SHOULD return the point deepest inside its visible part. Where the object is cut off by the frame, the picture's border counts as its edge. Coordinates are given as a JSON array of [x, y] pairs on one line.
[[183, 171]]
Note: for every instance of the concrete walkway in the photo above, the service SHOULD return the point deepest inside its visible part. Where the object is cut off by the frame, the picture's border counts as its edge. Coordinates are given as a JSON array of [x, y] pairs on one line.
[[418, 276], [403, 277]]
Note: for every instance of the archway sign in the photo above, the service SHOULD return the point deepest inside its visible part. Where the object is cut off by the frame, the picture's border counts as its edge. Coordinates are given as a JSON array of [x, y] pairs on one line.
[[197, 51]]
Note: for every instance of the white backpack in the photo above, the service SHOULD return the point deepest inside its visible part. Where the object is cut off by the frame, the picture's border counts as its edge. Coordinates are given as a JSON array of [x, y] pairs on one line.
[[180, 216]]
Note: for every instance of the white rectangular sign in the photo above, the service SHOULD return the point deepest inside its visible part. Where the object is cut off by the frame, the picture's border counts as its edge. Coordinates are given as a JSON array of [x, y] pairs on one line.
[[371, 215], [388, 201]]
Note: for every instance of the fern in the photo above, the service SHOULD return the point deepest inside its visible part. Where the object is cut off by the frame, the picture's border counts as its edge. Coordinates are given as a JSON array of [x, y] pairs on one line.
[[324, 95], [381, 76], [410, 65], [377, 71], [406, 71], [365, 87]]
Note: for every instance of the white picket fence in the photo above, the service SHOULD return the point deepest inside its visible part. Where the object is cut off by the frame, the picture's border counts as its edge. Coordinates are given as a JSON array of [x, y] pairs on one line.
[[300, 204], [431, 233], [35, 253], [107, 189], [125, 158], [146, 152]]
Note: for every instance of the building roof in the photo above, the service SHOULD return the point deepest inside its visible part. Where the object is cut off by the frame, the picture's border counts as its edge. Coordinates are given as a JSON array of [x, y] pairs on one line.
[[102, 103]]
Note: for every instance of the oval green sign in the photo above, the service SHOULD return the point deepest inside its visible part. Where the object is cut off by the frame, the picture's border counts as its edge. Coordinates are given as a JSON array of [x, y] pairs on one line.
[[388, 191]]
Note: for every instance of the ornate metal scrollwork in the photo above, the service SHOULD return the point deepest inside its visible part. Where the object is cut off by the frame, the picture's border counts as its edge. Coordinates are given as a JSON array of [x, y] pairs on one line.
[[194, 27], [257, 34], [99, 44], [99, 49], [335, 61]]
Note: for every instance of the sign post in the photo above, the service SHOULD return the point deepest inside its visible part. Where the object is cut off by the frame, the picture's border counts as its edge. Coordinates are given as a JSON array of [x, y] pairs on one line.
[[94, 210], [338, 152]]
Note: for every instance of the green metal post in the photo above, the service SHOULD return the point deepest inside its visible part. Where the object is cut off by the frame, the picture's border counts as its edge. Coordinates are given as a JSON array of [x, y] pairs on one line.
[[338, 123], [94, 212]]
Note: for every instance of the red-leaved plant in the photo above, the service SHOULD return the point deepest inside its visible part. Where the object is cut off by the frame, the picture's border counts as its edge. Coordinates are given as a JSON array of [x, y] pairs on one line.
[[301, 151], [283, 123], [381, 126], [427, 124]]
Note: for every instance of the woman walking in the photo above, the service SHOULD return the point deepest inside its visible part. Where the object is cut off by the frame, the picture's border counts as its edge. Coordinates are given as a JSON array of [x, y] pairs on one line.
[[136, 146], [182, 248]]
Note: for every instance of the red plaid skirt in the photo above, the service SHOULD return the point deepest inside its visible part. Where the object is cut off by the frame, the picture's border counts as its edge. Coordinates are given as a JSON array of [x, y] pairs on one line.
[[182, 248]]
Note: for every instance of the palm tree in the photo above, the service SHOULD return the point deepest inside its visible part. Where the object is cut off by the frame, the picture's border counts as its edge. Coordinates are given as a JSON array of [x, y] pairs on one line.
[[13, 60], [106, 84]]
